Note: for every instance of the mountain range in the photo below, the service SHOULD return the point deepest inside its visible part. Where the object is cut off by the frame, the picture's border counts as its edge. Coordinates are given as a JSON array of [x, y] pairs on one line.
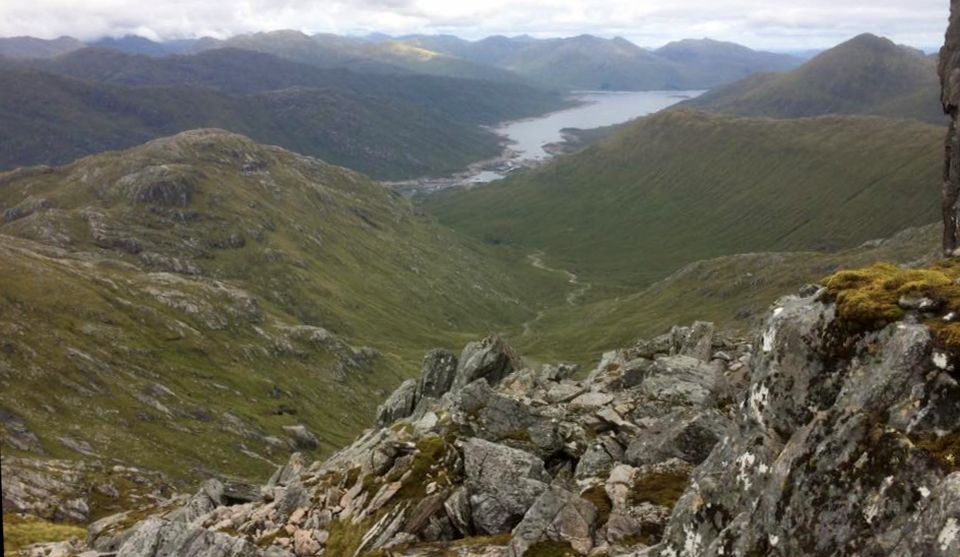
[[392, 127], [581, 62]]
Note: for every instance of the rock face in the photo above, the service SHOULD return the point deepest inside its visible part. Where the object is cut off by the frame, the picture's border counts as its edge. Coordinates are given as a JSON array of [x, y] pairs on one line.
[[479, 456], [845, 444], [950, 97]]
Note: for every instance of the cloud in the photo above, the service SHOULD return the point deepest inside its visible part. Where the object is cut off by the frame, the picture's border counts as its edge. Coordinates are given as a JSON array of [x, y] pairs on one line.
[[758, 23]]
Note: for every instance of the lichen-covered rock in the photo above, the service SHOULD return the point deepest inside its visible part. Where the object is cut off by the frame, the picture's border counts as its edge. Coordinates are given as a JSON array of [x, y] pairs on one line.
[[436, 374], [503, 483], [838, 448]]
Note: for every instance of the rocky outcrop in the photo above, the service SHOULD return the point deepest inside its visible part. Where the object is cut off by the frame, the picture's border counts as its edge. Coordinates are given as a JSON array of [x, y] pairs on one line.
[[479, 456], [845, 444], [950, 97], [823, 440]]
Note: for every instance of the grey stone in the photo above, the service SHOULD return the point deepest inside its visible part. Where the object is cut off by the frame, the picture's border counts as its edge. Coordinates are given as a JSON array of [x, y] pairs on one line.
[[398, 405], [165, 538], [556, 515], [503, 483], [436, 374], [489, 359], [303, 438]]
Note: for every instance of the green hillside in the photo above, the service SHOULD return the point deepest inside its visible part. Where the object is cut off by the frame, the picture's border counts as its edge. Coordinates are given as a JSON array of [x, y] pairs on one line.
[[866, 75], [733, 291], [229, 70], [682, 186], [48, 119], [176, 305]]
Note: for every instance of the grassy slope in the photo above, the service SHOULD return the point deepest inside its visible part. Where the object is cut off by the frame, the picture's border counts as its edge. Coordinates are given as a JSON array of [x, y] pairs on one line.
[[682, 186], [866, 75], [51, 119], [733, 291], [92, 329]]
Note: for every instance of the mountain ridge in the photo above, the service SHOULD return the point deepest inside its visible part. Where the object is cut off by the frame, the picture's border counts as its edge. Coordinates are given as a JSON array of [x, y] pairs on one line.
[[865, 75]]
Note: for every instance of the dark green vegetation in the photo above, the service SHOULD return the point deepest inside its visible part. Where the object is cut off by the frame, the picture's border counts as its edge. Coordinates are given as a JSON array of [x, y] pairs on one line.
[[866, 75], [176, 305], [50, 119], [229, 69], [388, 126], [682, 186]]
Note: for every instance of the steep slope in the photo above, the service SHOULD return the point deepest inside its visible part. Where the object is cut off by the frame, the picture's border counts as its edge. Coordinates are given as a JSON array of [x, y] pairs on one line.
[[230, 70], [184, 306], [50, 119], [30, 47], [866, 75], [682, 186], [718, 62]]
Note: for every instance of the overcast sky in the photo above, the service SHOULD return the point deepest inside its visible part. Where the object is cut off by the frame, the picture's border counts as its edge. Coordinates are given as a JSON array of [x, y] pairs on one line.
[[770, 24]]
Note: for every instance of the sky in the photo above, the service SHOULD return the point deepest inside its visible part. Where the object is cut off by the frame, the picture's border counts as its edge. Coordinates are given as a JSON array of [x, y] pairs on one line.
[[767, 24]]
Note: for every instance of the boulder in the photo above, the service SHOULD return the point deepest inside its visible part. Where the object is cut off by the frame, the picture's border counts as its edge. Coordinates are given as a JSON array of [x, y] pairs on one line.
[[557, 515], [688, 434], [162, 538], [503, 482], [303, 438], [398, 405], [489, 359], [437, 373], [682, 379]]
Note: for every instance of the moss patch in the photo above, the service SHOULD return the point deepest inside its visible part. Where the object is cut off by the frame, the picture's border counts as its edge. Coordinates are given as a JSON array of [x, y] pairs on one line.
[[20, 532], [428, 466], [550, 548], [663, 489], [867, 299], [598, 496], [944, 450]]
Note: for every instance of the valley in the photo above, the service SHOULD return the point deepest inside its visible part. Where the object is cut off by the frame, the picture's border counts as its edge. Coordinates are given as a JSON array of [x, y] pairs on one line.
[[226, 257], [532, 141]]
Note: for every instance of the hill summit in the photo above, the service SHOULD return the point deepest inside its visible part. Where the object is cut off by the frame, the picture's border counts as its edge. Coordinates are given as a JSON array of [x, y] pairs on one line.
[[865, 75]]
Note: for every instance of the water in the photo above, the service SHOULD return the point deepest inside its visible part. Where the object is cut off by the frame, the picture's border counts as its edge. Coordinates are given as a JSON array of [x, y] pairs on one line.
[[528, 137], [603, 108]]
